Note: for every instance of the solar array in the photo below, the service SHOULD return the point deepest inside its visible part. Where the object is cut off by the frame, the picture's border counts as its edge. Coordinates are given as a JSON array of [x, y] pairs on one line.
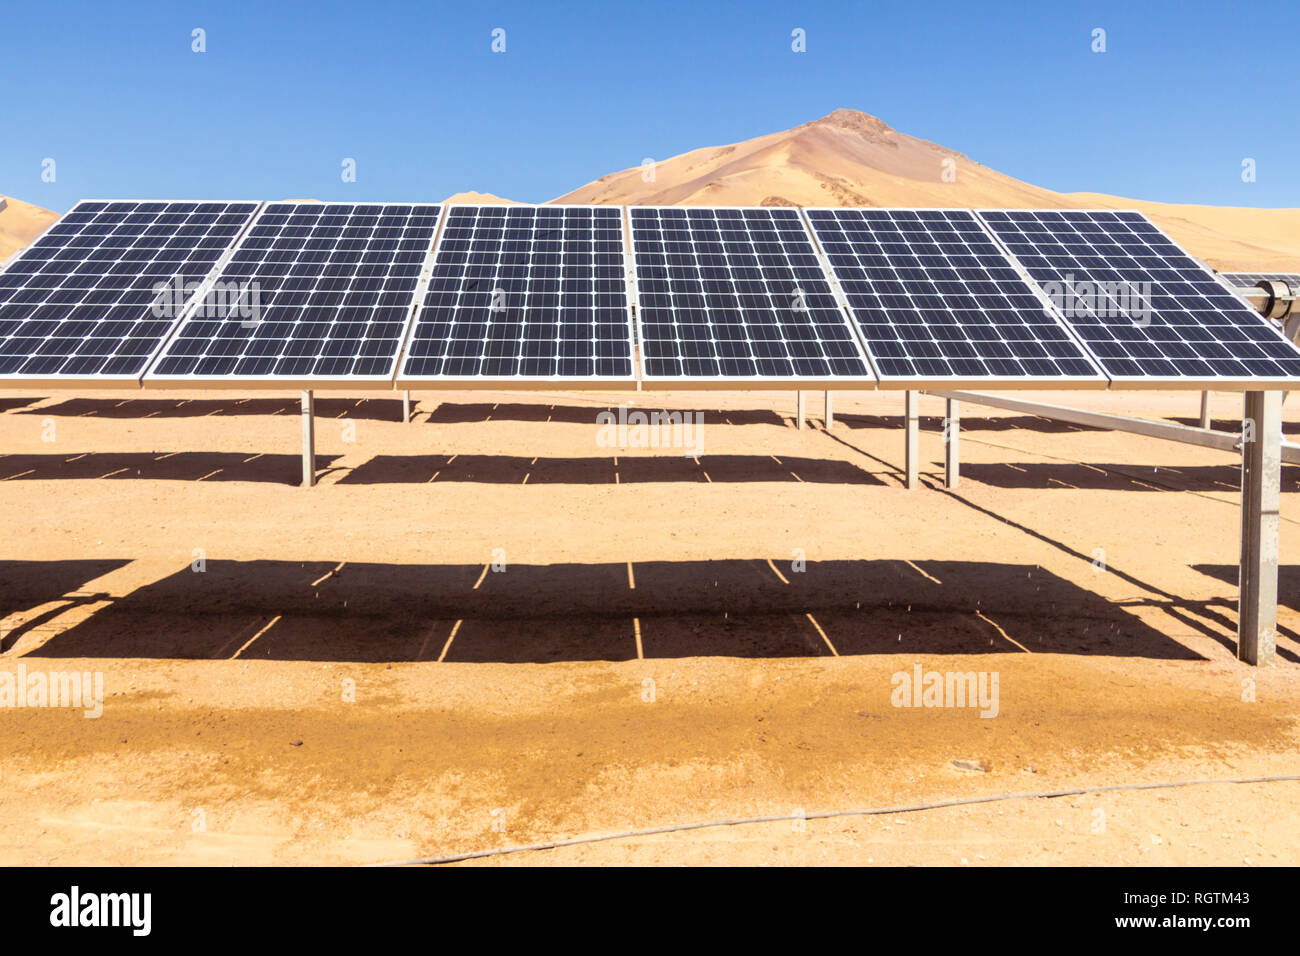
[[936, 299], [314, 291], [737, 294], [1149, 312], [94, 297], [408, 295], [525, 292]]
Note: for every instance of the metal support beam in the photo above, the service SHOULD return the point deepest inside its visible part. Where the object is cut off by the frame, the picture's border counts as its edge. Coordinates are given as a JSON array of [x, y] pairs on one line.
[[1152, 428], [830, 410], [911, 402], [308, 439], [1205, 409], [952, 443], [406, 406], [801, 409], [1261, 475]]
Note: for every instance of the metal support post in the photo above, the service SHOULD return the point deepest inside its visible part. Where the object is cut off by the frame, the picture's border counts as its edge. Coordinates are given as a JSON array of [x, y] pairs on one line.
[[1261, 475]]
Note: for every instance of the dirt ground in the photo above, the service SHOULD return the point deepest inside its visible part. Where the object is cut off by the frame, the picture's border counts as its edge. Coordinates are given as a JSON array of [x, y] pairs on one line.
[[486, 628]]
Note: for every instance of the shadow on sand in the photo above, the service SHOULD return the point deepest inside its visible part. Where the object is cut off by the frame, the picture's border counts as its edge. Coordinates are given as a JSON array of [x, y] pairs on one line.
[[282, 610]]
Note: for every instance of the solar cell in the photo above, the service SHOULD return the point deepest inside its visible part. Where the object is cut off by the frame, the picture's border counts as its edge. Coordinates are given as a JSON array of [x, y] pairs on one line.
[[316, 294], [1148, 311], [524, 293], [83, 302], [737, 294], [937, 301]]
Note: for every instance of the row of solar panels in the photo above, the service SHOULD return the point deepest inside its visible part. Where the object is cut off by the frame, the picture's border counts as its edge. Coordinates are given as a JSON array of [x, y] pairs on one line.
[[316, 295]]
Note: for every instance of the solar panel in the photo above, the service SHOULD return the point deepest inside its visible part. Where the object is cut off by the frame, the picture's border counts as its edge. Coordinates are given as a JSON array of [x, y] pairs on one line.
[[1248, 280], [937, 300], [82, 303], [1148, 311], [524, 293], [315, 294], [737, 295]]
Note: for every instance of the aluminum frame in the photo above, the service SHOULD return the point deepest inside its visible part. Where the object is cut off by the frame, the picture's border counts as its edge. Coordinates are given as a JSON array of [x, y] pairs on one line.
[[150, 380], [16, 381], [523, 382], [1290, 278]]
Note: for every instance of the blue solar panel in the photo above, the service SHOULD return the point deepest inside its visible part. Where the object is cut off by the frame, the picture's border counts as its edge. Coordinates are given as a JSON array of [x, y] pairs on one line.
[[937, 300], [520, 293], [737, 294], [314, 291], [83, 301], [1146, 309]]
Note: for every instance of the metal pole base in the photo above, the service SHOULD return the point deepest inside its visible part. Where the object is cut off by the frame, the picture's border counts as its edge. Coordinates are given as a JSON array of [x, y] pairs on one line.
[[308, 439], [913, 443], [952, 443], [1261, 476]]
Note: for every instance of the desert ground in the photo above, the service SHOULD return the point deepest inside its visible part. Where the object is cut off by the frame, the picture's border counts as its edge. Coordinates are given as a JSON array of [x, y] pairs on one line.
[[340, 675]]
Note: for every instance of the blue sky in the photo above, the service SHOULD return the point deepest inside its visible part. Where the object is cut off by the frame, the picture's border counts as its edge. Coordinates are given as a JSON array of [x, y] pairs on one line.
[[413, 92]]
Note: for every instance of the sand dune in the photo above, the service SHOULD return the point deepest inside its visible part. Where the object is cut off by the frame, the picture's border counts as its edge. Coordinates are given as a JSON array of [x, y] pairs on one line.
[[20, 223], [844, 159], [851, 159], [482, 199]]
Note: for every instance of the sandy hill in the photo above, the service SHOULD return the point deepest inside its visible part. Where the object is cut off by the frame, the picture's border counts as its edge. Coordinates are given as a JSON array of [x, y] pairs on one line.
[[851, 159], [481, 199], [20, 223], [844, 159]]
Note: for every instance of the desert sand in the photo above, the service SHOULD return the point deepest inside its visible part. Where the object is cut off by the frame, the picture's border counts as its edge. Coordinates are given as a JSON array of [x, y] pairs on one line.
[[493, 708], [20, 223]]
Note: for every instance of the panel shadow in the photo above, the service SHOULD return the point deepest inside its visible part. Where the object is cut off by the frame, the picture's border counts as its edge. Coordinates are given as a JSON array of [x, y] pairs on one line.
[[9, 404], [30, 584], [510, 470], [1116, 477], [458, 413], [318, 611], [1288, 580], [179, 466], [361, 409]]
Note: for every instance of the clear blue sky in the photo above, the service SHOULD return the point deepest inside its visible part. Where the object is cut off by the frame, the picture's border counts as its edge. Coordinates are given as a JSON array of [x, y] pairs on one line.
[[413, 92]]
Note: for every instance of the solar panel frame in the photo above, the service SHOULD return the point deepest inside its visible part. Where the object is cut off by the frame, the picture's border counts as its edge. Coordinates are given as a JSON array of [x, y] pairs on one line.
[[114, 381], [1188, 382], [156, 380], [1097, 380], [1249, 280], [408, 381], [663, 383]]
